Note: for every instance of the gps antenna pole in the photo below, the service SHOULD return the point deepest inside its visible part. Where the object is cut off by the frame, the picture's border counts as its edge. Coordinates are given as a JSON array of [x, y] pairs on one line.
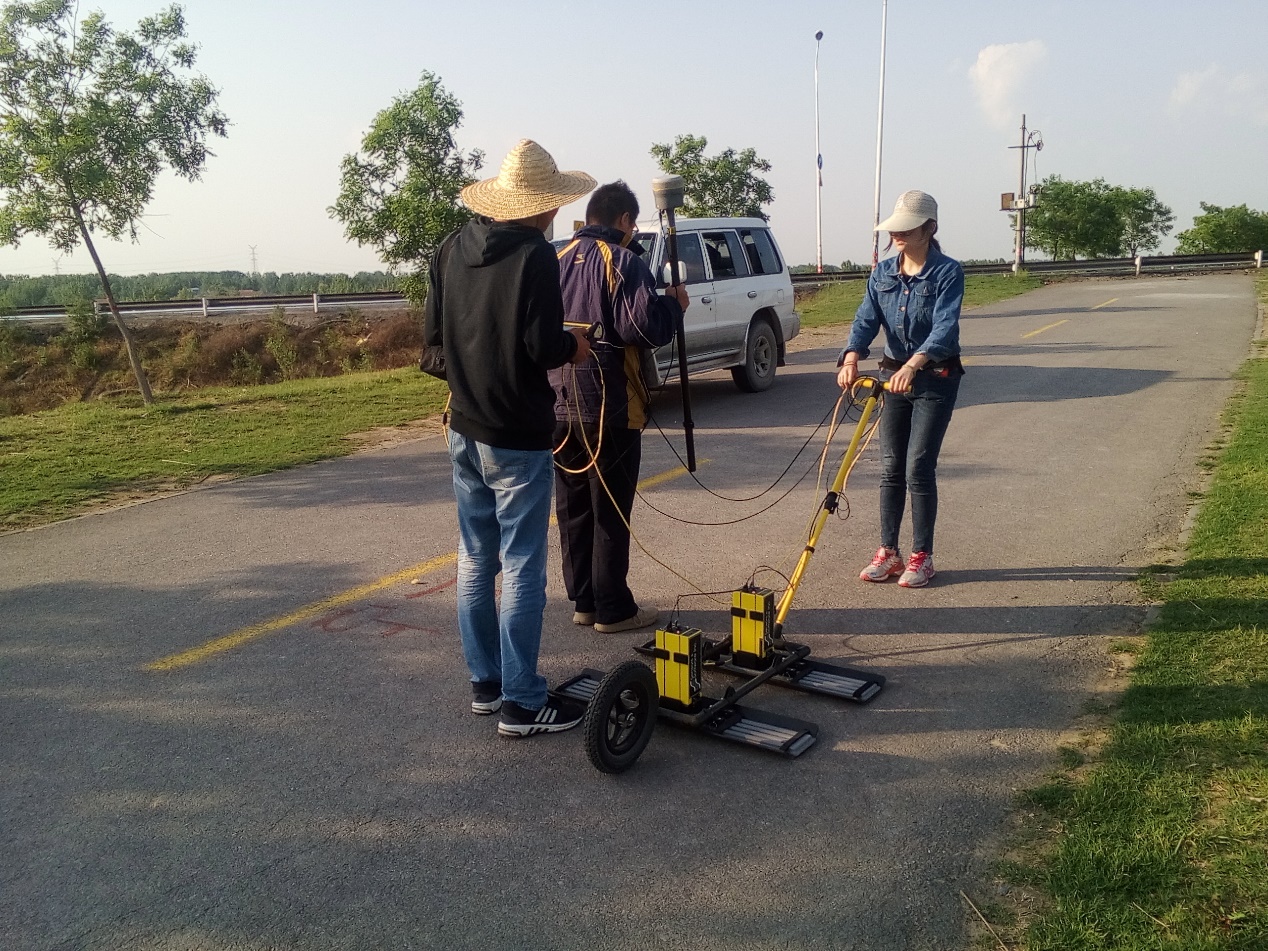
[[669, 193]]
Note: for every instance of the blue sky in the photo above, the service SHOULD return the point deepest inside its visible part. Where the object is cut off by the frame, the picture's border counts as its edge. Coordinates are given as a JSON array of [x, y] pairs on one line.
[[1166, 94]]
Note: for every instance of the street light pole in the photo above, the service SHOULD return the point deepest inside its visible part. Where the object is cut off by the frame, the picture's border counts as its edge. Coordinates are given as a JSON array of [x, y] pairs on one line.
[[818, 168], [880, 131]]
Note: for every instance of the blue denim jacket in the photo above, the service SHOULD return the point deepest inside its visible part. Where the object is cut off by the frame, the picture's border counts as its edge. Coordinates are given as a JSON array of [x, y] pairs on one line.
[[920, 314]]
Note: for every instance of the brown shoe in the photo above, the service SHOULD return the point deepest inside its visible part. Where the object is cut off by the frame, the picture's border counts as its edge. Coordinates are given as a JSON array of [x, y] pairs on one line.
[[642, 618], [584, 618]]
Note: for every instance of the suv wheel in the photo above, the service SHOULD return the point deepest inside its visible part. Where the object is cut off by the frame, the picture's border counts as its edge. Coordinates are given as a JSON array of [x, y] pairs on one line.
[[758, 372]]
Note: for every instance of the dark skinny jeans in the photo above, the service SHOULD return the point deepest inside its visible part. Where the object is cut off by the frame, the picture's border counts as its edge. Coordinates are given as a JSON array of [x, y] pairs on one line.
[[911, 430]]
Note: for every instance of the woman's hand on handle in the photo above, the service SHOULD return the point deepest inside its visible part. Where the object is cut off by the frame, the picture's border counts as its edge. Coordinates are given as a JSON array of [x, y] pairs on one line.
[[849, 371], [902, 380]]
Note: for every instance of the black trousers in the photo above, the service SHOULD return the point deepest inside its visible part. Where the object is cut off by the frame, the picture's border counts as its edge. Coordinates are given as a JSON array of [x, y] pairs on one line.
[[593, 530]]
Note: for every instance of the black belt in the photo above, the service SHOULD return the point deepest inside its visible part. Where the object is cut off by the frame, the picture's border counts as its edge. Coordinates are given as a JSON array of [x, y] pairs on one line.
[[951, 364]]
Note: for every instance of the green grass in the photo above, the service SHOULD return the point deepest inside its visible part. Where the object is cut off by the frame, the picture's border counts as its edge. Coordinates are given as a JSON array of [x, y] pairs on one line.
[[837, 303], [1163, 842], [982, 289], [55, 463], [834, 304]]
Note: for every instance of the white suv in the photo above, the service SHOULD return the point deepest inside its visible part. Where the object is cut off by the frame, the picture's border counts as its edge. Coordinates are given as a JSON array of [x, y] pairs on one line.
[[741, 315]]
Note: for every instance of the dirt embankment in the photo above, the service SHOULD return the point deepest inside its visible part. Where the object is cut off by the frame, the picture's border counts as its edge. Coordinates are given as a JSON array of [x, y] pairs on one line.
[[41, 368]]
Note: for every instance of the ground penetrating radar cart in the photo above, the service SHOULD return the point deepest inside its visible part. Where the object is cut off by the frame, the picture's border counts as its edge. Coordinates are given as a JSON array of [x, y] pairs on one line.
[[624, 703]]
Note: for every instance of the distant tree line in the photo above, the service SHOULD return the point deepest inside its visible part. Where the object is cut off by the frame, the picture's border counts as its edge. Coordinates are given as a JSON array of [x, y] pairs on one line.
[[69, 290], [1095, 220], [1225, 231], [828, 268], [1098, 220]]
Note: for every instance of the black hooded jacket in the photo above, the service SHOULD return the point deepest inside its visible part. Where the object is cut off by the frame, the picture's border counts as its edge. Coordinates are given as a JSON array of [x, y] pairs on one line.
[[494, 304]]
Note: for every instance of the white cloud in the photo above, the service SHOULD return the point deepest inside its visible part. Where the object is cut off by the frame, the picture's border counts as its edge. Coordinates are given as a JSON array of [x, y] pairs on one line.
[[1000, 74], [1215, 88], [1189, 86]]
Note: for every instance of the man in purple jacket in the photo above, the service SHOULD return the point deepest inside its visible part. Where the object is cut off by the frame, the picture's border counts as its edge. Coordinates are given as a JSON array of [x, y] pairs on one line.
[[601, 407], [494, 305]]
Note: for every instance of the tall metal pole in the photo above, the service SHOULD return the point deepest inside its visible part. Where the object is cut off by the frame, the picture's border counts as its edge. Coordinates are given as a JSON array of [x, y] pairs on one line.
[[1020, 258], [880, 131], [669, 192], [818, 169]]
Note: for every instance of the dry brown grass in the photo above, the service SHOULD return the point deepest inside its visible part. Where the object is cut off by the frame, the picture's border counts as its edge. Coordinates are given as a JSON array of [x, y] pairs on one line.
[[42, 369]]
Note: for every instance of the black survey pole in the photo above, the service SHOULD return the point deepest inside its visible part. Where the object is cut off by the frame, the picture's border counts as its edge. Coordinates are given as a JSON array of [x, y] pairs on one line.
[[668, 193]]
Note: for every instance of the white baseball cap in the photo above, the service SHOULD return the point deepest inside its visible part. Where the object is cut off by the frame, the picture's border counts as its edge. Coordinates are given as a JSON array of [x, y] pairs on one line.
[[913, 209]]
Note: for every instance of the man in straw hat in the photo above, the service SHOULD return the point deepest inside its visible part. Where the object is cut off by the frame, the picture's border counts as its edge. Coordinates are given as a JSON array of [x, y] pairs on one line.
[[495, 306]]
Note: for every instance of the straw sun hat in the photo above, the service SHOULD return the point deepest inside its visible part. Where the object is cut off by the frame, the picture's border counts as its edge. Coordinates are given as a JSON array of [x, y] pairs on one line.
[[913, 209], [528, 184]]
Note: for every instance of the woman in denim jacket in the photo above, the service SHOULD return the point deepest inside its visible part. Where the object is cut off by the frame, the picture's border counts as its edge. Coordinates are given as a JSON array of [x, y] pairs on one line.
[[915, 298]]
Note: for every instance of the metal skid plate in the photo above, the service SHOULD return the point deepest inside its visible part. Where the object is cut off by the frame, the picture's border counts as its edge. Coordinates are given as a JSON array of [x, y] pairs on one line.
[[814, 676], [768, 731], [580, 688], [738, 724]]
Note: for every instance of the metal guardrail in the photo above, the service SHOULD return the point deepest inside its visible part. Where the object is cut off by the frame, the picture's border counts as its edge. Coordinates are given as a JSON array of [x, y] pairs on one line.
[[315, 303], [1138, 265], [207, 306]]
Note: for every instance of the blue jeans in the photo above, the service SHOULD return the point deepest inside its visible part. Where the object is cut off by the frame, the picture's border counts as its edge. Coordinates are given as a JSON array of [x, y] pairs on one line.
[[503, 517], [911, 431]]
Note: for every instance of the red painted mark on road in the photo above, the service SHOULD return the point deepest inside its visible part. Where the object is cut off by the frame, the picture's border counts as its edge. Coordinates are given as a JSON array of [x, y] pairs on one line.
[[434, 588], [378, 616], [363, 616]]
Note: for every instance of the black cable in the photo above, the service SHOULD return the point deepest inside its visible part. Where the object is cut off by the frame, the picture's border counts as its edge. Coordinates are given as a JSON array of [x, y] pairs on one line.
[[760, 568], [850, 405], [732, 521], [651, 418]]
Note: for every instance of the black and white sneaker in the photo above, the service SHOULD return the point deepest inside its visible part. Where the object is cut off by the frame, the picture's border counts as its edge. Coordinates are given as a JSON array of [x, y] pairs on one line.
[[486, 698], [556, 716]]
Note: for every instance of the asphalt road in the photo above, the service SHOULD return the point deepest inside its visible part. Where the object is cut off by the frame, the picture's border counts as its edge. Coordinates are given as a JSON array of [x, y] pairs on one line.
[[301, 771]]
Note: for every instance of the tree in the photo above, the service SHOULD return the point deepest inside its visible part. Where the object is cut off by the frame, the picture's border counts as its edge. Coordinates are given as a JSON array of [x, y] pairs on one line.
[[1225, 231], [719, 186], [88, 119], [399, 194], [1145, 220], [1075, 218]]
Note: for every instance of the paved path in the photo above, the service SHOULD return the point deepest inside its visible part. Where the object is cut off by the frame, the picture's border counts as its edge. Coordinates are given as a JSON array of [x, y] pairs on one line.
[[230, 721]]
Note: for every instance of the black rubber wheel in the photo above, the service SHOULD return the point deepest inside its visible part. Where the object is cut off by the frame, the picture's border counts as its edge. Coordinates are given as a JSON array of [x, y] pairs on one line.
[[758, 372], [621, 716]]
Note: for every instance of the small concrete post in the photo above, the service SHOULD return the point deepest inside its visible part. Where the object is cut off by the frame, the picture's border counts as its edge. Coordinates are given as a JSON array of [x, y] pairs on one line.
[[1259, 258], [204, 307], [316, 301], [1139, 261]]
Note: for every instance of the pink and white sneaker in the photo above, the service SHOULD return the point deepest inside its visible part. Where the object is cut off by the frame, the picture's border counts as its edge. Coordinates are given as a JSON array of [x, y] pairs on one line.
[[919, 570], [886, 563]]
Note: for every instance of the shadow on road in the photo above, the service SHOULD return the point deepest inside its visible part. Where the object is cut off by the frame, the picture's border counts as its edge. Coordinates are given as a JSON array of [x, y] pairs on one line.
[[987, 384]]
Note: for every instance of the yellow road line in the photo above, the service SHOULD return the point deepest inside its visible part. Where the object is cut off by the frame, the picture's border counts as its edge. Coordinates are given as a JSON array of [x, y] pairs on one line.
[[253, 632], [1106, 304], [1042, 329], [221, 644], [652, 481]]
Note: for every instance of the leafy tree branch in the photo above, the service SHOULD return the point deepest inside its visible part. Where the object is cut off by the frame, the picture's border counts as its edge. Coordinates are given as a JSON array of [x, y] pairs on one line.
[[91, 117], [717, 186], [399, 193]]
